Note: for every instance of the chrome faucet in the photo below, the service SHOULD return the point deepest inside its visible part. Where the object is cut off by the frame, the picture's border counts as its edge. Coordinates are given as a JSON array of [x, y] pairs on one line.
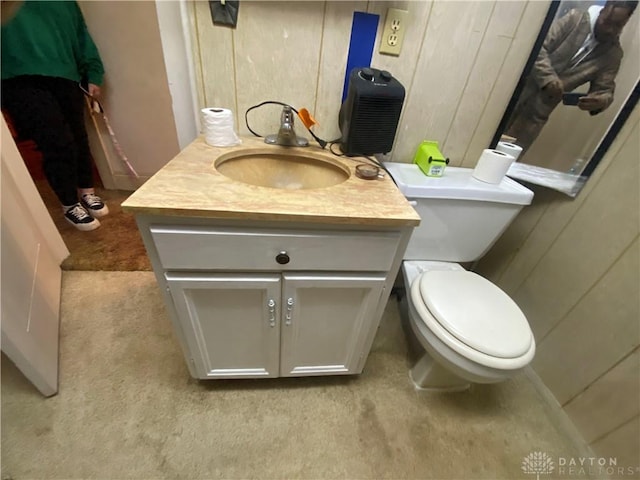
[[286, 134]]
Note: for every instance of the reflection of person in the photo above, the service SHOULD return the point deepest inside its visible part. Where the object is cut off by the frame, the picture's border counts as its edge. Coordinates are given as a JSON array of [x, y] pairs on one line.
[[46, 52], [581, 47]]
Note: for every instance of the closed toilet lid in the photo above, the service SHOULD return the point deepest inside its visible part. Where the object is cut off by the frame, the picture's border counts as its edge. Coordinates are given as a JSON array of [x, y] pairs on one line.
[[476, 312]]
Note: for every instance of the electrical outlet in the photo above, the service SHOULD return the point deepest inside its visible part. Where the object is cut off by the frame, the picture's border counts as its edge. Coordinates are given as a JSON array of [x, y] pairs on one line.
[[393, 32]]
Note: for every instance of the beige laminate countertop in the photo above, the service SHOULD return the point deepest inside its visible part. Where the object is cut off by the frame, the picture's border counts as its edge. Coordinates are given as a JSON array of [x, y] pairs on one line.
[[189, 185]]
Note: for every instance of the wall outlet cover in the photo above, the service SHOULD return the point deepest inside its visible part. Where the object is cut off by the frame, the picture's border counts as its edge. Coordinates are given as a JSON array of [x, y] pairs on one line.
[[393, 31]]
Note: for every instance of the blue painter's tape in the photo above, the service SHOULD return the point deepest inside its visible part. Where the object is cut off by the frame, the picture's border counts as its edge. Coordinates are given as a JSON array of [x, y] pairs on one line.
[[363, 38]]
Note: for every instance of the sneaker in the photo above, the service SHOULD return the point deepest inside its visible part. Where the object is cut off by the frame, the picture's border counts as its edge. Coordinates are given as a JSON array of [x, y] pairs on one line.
[[94, 205], [77, 216]]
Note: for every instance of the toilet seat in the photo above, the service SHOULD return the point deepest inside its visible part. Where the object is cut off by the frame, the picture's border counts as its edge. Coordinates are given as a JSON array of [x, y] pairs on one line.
[[474, 318]]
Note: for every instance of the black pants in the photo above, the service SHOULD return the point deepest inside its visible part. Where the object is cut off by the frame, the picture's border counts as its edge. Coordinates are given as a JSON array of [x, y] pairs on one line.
[[50, 111]]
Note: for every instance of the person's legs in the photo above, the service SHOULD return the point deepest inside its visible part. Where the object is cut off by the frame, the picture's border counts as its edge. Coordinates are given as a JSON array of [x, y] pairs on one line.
[[529, 117], [71, 101], [36, 115], [72, 104]]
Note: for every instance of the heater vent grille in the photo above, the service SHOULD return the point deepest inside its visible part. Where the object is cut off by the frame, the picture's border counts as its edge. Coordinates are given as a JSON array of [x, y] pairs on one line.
[[370, 113], [375, 120]]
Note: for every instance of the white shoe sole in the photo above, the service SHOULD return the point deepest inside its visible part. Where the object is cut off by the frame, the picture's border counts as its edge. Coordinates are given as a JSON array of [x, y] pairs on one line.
[[85, 227]]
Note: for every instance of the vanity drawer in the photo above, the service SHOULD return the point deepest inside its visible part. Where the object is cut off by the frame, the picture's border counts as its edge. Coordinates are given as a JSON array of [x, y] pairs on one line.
[[206, 248]]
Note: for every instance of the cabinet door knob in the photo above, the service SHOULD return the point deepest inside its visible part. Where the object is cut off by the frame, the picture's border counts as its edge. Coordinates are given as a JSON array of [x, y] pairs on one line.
[[282, 258], [287, 317], [272, 312]]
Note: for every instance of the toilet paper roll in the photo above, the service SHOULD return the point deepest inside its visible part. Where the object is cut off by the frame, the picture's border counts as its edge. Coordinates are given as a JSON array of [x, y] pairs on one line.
[[492, 166], [510, 149], [218, 127]]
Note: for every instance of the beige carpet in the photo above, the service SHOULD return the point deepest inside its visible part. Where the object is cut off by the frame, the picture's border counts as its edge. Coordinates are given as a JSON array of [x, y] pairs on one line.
[[128, 409], [115, 246]]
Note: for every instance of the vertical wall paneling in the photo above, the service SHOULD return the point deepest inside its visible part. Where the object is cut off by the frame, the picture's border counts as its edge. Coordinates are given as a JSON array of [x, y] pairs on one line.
[[558, 215], [623, 444], [497, 260], [558, 209], [605, 405], [197, 55], [277, 58], [592, 240], [507, 80], [599, 332], [452, 39], [295, 51], [215, 49], [487, 65], [403, 66], [333, 61]]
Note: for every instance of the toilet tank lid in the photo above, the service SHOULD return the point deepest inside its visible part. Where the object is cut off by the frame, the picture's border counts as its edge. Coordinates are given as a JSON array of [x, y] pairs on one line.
[[457, 184]]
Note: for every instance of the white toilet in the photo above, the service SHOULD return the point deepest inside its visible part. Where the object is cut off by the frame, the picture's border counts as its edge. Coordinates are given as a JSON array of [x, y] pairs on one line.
[[471, 330]]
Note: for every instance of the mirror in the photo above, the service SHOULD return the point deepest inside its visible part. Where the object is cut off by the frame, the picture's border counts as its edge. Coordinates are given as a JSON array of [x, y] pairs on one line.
[[563, 142]]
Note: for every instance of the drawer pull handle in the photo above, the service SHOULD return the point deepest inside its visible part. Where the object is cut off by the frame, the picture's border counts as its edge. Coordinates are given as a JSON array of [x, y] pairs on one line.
[[272, 312], [282, 258], [287, 317]]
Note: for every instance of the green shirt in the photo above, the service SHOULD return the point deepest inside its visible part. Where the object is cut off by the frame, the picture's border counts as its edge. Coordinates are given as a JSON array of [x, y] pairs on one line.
[[51, 39]]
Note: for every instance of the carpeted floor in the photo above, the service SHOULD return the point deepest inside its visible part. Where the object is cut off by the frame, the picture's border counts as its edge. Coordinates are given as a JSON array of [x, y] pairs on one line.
[[128, 409], [115, 246]]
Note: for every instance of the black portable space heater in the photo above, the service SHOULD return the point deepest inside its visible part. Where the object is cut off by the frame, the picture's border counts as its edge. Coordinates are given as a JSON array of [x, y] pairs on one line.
[[369, 115]]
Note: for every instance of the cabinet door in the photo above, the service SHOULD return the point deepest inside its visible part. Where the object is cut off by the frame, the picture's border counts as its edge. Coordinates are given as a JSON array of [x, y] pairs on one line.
[[231, 322], [325, 321]]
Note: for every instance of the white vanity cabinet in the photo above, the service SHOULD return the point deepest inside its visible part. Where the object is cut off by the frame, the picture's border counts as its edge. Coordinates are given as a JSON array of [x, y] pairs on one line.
[[272, 301], [325, 322], [269, 325], [266, 281], [229, 322]]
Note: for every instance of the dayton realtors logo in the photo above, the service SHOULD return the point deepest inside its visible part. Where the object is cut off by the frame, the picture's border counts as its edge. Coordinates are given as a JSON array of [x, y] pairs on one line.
[[537, 463]]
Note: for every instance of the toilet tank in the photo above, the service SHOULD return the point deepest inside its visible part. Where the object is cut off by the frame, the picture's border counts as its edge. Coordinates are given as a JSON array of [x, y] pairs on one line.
[[461, 217]]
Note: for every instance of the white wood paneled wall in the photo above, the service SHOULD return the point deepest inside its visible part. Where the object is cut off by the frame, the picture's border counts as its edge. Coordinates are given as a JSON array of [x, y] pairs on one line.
[[459, 64], [573, 266]]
